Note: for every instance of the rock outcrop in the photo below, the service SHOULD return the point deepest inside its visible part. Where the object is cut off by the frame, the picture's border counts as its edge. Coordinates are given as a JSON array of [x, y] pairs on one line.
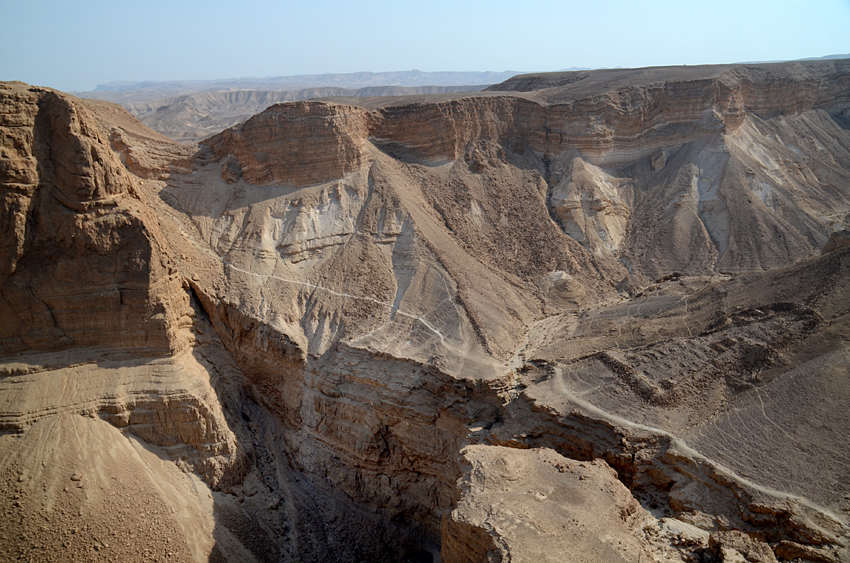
[[191, 118], [302, 143], [95, 323], [350, 331], [81, 265], [532, 505], [704, 170]]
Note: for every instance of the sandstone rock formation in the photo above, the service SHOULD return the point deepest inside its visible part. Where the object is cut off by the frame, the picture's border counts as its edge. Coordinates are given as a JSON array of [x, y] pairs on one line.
[[588, 311], [192, 117]]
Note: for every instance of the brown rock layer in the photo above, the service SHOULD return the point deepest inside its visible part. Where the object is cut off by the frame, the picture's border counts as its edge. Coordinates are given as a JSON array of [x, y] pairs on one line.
[[300, 143], [703, 202], [81, 256], [532, 506]]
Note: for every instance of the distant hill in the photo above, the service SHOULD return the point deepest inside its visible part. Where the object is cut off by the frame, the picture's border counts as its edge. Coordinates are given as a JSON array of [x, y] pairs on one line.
[[129, 92], [193, 117], [826, 58]]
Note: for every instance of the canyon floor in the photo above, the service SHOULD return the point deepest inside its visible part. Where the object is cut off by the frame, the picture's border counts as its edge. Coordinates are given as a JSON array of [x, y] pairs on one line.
[[584, 316]]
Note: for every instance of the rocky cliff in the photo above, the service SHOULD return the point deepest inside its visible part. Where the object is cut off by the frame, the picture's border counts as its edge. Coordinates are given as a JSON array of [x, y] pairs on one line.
[[437, 326], [192, 117]]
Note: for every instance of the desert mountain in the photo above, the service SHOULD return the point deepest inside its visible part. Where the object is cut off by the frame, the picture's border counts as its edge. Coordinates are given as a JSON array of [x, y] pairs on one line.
[[193, 117], [131, 92], [601, 314]]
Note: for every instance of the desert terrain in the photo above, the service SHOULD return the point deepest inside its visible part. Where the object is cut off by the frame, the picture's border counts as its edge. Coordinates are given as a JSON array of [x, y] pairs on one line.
[[192, 117], [585, 316]]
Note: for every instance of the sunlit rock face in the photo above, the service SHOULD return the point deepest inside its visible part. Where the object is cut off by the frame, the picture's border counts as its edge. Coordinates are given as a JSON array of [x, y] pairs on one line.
[[603, 310], [300, 143]]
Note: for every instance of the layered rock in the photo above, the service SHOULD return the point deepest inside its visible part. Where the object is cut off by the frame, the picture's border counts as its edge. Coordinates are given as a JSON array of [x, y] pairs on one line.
[[96, 323], [336, 300], [144, 152], [190, 118], [691, 208], [301, 143], [80, 238]]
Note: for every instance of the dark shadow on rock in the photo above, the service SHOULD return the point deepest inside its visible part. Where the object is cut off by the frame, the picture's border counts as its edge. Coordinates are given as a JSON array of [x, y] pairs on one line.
[[272, 511]]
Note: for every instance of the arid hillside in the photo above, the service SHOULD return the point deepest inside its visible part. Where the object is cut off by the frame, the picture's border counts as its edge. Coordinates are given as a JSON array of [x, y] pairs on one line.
[[193, 117], [602, 314]]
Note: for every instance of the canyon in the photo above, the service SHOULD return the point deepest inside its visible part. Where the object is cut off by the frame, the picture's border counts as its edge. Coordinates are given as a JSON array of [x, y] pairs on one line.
[[582, 316]]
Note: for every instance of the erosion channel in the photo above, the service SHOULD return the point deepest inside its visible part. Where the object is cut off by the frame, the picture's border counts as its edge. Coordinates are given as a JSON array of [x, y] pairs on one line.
[[584, 316]]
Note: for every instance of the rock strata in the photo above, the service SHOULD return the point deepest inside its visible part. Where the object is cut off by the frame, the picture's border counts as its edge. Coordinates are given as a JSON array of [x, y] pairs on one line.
[[587, 312], [79, 237], [301, 143]]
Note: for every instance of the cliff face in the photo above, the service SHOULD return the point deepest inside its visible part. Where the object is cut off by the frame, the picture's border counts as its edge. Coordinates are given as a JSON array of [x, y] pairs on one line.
[[192, 117], [314, 314], [78, 237], [691, 193], [302, 143], [95, 323]]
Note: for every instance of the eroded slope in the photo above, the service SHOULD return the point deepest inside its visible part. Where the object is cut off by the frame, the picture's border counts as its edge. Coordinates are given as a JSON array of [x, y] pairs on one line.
[[330, 301]]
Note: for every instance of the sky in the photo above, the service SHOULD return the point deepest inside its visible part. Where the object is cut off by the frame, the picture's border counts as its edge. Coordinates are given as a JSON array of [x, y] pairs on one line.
[[76, 45]]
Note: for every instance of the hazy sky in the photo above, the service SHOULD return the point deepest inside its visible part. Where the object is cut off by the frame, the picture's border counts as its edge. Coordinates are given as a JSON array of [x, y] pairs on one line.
[[77, 44]]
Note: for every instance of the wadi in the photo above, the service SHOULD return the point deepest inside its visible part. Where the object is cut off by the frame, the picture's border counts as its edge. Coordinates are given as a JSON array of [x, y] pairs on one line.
[[591, 316]]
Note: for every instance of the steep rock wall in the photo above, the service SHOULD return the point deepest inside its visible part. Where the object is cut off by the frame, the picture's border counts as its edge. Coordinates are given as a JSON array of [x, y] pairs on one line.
[[96, 323], [681, 149], [299, 143], [79, 237]]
